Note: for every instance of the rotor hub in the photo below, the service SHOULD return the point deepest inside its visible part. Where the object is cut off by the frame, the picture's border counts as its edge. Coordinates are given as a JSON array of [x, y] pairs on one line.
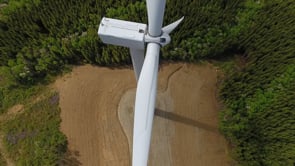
[[162, 40]]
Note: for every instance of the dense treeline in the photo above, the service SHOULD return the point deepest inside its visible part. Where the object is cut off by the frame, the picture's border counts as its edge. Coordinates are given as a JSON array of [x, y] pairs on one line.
[[44, 36], [39, 39], [260, 118]]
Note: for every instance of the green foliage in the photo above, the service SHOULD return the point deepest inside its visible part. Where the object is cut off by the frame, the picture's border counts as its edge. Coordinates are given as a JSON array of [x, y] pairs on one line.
[[264, 131], [12, 5], [207, 42], [18, 94], [11, 92], [33, 137], [30, 29], [205, 31], [136, 12], [2, 160], [269, 50], [259, 119]]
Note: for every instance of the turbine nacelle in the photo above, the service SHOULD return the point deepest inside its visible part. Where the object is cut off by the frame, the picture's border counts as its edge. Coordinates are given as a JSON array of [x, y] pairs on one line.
[[132, 34], [122, 33]]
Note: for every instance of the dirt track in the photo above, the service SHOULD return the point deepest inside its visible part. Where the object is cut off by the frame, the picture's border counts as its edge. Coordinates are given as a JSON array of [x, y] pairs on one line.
[[97, 116]]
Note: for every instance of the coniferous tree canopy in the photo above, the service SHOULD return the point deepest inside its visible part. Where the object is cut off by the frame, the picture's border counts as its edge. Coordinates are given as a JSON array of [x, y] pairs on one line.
[[259, 119]]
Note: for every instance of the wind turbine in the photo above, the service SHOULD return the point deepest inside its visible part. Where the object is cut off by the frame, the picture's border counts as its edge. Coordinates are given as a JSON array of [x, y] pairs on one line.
[[136, 36]]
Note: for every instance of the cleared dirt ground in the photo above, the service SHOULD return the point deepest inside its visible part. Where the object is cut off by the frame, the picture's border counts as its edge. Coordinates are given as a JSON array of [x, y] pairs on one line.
[[97, 116]]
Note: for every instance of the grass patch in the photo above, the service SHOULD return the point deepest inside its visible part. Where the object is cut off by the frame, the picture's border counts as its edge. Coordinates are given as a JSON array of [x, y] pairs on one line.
[[19, 95], [11, 92], [2, 160], [33, 137]]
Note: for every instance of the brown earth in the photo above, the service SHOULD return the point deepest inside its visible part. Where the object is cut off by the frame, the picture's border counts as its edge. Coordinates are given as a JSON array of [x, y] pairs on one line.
[[97, 116]]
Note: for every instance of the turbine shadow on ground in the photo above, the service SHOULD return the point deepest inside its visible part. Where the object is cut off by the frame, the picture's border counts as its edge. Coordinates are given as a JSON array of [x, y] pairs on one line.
[[184, 120]]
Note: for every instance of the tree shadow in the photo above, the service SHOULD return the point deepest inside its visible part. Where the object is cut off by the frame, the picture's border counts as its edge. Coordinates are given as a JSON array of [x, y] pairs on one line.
[[70, 159], [184, 120]]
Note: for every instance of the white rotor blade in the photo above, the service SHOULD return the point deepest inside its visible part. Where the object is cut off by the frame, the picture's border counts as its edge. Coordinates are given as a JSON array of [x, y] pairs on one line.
[[169, 28], [145, 106], [137, 57], [155, 9]]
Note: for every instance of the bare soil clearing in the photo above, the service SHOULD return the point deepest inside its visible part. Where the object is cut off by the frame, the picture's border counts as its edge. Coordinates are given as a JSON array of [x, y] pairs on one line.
[[89, 98], [97, 116]]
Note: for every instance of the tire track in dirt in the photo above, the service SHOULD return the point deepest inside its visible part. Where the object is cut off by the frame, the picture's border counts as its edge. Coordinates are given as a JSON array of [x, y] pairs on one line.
[[169, 77]]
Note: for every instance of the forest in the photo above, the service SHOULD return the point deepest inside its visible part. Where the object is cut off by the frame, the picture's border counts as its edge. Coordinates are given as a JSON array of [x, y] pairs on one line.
[[40, 39]]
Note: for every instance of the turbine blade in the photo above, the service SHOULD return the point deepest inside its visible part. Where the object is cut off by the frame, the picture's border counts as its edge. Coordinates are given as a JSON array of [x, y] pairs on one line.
[[169, 28], [155, 9], [137, 57], [145, 106]]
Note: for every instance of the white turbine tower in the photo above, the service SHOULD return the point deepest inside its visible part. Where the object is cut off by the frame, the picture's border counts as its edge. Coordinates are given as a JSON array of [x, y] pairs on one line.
[[135, 36]]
